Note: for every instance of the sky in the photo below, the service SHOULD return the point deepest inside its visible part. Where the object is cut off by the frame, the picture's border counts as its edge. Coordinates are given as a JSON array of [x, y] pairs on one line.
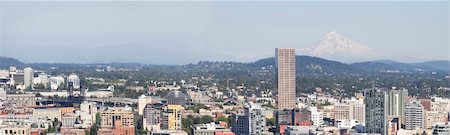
[[181, 32]]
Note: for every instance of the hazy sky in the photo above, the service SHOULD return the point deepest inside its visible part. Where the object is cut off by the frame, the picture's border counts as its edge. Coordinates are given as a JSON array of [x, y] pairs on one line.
[[184, 32]]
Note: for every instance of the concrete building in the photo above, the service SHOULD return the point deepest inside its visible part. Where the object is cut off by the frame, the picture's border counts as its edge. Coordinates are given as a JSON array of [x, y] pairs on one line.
[[169, 132], [297, 130], [68, 120], [316, 116], [28, 77], [46, 114], [442, 128], [55, 81], [240, 126], [118, 129], [414, 116], [88, 110], [209, 129], [285, 64], [143, 101], [342, 111], [15, 130], [21, 100], [435, 116], [73, 131], [152, 118], [171, 118], [376, 109], [124, 114], [44, 79], [396, 103], [75, 80], [256, 119]]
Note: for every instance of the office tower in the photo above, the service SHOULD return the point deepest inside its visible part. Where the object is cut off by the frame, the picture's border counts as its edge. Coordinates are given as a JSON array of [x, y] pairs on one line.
[[240, 124], [376, 109], [252, 122], [171, 119], [359, 112], [285, 63], [152, 118], [414, 116], [342, 111], [28, 76], [256, 118], [75, 80], [397, 101]]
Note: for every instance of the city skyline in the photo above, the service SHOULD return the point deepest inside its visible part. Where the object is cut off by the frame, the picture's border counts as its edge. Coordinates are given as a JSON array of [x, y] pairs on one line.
[[151, 33]]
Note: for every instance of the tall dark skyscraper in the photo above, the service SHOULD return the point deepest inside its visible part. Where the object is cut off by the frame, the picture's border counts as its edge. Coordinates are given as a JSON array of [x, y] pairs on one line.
[[376, 111]]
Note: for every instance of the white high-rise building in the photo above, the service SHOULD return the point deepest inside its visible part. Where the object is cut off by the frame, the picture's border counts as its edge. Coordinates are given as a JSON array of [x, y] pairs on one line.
[[256, 118], [43, 77], [142, 102], [88, 111], [28, 77], [55, 81], [316, 116], [414, 116], [75, 80]]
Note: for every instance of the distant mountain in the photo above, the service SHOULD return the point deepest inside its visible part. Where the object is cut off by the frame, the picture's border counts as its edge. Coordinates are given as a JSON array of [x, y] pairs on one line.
[[394, 66], [5, 62], [442, 65], [312, 65], [335, 46]]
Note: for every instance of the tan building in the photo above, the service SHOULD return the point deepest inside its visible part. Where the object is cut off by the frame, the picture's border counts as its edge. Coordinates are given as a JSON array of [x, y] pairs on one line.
[[73, 131], [353, 111], [66, 110], [171, 119], [15, 130], [342, 111], [108, 117], [285, 63], [434, 116], [118, 129], [21, 100]]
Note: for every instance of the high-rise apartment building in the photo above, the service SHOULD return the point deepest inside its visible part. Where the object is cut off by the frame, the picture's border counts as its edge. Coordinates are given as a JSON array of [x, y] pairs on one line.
[[171, 119], [256, 118], [414, 116], [285, 63], [252, 122], [397, 101], [28, 77], [376, 109]]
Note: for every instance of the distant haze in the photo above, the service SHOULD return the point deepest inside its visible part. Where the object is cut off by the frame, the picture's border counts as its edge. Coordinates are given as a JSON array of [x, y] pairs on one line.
[[187, 32]]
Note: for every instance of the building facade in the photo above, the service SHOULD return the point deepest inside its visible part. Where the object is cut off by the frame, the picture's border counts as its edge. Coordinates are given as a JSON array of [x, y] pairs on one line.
[[171, 118], [414, 116], [376, 109], [285, 64]]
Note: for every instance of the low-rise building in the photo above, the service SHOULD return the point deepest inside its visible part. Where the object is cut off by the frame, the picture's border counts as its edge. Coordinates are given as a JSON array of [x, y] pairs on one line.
[[209, 129]]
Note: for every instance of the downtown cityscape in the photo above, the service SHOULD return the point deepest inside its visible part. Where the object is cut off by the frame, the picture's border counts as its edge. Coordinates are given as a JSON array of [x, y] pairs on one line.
[[54, 80]]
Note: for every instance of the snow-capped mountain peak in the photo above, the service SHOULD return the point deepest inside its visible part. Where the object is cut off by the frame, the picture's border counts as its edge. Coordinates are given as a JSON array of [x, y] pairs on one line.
[[335, 46]]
